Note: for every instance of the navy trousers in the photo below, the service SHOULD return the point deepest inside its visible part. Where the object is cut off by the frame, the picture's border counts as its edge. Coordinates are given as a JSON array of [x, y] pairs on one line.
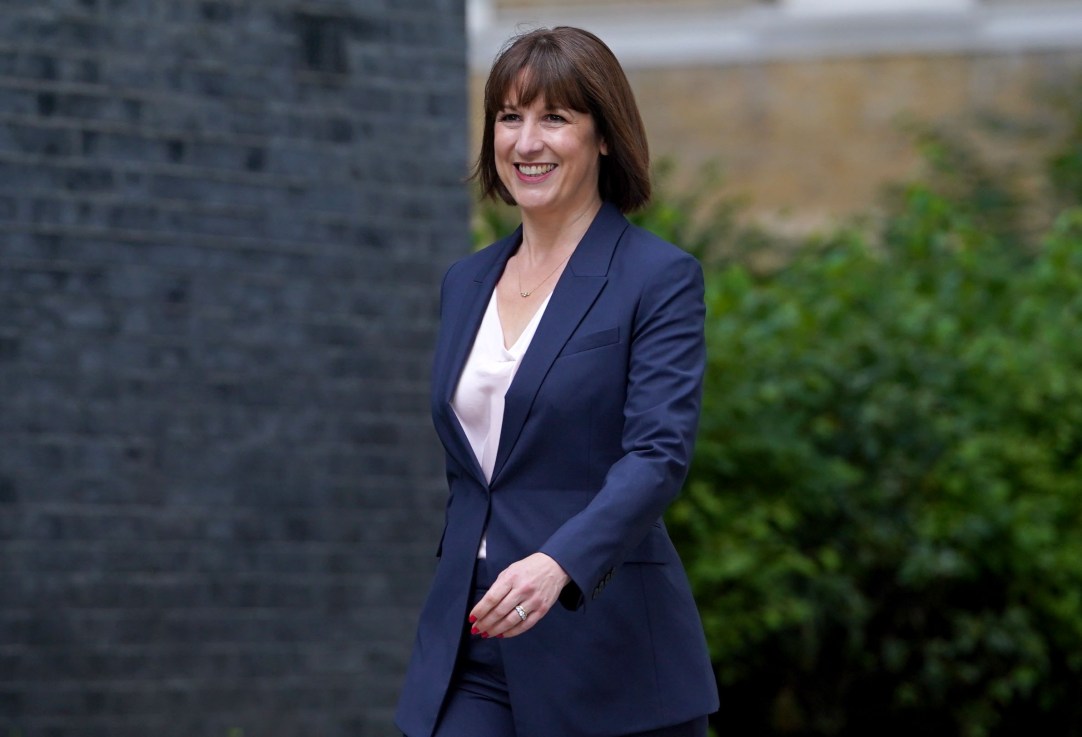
[[478, 704]]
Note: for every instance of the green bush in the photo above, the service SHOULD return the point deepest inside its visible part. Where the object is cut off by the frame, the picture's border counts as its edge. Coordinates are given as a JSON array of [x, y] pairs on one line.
[[1065, 165], [883, 525]]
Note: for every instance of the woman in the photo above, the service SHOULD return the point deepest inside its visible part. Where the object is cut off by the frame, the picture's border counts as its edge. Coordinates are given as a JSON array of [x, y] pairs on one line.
[[566, 393]]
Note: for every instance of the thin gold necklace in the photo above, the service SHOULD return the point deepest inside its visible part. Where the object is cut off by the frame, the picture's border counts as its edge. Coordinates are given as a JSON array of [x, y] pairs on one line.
[[531, 291]]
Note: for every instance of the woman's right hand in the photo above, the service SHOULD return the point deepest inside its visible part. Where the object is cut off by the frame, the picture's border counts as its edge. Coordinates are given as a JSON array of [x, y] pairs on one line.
[[533, 583]]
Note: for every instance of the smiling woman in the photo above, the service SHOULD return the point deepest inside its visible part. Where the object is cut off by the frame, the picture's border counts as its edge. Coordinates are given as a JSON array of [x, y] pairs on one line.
[[549, 156], [566, 392], [579, 74]]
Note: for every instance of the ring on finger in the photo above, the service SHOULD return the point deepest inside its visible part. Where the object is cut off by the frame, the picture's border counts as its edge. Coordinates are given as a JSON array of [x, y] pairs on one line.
[[521, 612]]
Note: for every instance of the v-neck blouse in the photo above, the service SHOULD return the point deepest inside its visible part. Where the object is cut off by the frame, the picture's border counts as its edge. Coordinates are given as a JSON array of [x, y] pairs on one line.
[[490, 368]]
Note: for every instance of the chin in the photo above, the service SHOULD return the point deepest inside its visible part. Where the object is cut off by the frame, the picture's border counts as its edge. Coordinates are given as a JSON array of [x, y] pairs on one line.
[[533, 203]]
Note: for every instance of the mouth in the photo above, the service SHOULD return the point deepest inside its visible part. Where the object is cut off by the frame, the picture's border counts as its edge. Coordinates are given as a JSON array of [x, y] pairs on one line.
[[534, 171]]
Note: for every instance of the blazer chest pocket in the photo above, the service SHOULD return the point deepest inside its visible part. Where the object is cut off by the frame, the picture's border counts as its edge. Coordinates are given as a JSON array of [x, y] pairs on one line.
[[590, 341]]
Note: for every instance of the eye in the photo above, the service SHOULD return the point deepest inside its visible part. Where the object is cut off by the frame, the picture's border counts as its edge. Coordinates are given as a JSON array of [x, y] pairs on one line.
[[555, 118], [507, 117]]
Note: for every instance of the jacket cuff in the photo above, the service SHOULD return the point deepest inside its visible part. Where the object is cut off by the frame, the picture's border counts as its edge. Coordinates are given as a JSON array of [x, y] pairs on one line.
[[571, 597]]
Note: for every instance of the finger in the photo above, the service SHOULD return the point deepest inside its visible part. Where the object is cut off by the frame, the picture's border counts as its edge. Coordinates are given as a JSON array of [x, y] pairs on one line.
[[518, 584], [516, 625], [520, 620], [499, 601], [481, 613], [505, 620], [498, 618], [499, 623]]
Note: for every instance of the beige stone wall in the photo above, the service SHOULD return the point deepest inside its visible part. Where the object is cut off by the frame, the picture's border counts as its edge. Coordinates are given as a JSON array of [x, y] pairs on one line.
[[516, 5], [512, 5], [812, 141]]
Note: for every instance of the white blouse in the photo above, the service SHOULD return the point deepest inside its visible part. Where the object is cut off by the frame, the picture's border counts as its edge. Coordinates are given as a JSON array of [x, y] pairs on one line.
[[479, 397]]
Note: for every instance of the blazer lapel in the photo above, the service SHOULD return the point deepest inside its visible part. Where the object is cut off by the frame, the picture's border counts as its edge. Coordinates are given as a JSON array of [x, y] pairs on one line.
[[574, 294], [467, 319], [464, 314]]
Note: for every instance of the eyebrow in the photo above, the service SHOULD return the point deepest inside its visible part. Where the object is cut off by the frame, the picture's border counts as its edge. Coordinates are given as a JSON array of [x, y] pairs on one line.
[[548, 108]]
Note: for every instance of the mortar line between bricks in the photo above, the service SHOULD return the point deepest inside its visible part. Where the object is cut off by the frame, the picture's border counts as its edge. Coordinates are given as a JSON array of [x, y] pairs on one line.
[[416, 418], [321, 6], [283, 541], [325, 9], [443, 56], [28, 264], [23, 263], [320, 320], [166, 204], [272, 683], [151, 132], [317, 577], [311, 315], [182, 206], [188, 171], [263, 545], [420, 388], [105, 91], [135, 648], [313, 319], [223, 243], [373, 222], [183, 545], [203, 511], [196, 511], [387, 487], [200, 174]]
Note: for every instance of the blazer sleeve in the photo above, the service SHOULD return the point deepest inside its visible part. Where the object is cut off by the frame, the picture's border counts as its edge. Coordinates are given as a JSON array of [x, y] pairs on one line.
[[661, 415]]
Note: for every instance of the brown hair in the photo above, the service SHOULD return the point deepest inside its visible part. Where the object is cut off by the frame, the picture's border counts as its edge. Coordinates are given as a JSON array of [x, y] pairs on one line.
[[573, 68]]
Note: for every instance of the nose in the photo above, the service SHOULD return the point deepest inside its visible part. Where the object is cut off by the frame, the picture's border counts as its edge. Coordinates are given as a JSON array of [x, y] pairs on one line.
[[529, 140]]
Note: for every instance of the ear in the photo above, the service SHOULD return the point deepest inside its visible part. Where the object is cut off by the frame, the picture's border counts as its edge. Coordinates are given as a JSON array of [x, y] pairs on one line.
[[603, 146]]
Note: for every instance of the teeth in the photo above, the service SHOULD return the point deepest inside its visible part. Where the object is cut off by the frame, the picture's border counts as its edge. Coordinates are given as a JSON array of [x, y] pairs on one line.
[[535, 170]]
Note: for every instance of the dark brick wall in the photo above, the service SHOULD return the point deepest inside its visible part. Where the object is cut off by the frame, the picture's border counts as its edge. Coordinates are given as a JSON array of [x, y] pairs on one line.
[[222, 229]]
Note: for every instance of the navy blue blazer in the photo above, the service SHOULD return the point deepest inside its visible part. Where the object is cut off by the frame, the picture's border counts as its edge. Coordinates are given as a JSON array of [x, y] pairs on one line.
[[597, 434]]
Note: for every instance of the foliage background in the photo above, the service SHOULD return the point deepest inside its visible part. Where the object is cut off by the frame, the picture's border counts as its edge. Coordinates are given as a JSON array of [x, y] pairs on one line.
[[883, 524]]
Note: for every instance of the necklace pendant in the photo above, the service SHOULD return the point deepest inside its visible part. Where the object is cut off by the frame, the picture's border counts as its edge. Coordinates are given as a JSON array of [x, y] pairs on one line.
[[525, 294]]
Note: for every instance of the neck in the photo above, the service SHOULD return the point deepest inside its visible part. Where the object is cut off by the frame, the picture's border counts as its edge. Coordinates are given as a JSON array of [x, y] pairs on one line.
[[544, 234]]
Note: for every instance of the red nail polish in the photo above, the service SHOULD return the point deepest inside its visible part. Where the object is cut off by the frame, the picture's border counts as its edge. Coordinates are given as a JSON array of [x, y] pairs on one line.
[[499, 637], [484, 635], [474, 631], [472, 619]]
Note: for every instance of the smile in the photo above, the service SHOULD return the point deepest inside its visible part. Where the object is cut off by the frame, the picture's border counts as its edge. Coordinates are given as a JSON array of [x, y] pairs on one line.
[[535, 170]]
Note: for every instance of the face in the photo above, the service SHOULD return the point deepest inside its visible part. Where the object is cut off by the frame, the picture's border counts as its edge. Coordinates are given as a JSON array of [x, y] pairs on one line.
[[548, 157]]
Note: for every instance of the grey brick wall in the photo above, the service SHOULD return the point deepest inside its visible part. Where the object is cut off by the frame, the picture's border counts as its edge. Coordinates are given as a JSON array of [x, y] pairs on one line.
[[222, 229]]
